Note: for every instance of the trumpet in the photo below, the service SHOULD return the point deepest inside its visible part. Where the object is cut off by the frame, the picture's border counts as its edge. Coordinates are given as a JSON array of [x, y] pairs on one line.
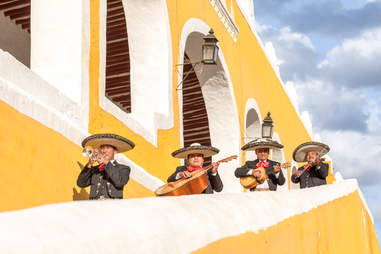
[[90, 153]]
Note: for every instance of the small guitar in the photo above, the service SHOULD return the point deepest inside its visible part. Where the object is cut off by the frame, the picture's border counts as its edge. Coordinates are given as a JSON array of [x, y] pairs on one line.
[[249, 182], [195, 184]]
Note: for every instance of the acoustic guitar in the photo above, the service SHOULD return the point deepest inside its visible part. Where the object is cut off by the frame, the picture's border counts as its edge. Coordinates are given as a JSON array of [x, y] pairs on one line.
[[195, 184], [249, 182]]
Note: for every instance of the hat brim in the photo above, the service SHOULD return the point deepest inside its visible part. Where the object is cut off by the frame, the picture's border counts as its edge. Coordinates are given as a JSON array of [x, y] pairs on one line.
[[183, 153], [254, 145], [120, 143], [300, 152]]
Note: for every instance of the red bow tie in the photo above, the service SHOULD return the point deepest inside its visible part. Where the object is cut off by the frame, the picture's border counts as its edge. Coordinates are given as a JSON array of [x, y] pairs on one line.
[[101, 167], [262, 164], [191, 169]]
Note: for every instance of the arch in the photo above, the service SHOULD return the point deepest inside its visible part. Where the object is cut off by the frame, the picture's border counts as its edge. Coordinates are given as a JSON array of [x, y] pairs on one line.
[[253, 123], [220, 107], [15, 23]]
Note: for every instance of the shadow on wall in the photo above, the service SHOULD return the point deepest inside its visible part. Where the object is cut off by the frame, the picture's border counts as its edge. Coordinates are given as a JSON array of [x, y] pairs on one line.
[[82, 194]]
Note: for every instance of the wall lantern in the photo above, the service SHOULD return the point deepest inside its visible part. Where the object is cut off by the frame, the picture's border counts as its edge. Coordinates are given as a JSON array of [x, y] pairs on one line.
[[209, 55], [210, 48], [267, 127]]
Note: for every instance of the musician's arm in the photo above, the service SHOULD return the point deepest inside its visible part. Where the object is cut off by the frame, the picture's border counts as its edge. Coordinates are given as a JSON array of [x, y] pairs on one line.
[[119, 175], [84, 178], [242, 171], [280, 178], [322, 171], [295, 179], [174, 176], [215, 181]]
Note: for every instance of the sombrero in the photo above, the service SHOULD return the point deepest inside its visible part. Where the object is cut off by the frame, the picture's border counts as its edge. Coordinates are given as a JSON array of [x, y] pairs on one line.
[[301, 151], [195, 148], [96, 140], [261, 143]]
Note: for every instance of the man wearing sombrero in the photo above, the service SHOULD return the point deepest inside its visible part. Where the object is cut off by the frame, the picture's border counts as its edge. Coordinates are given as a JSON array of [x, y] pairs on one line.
[[262, 148], [107, 179], [314, 173], [194, 155]]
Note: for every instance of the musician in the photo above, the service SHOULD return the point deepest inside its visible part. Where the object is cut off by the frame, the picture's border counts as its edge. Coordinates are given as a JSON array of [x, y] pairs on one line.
[[107, 179], [195, 154], [314, 173], [262, 148]]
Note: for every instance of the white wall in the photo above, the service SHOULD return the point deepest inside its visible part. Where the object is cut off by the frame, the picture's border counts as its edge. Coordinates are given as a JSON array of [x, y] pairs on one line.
[[14, 40], [57, 44]]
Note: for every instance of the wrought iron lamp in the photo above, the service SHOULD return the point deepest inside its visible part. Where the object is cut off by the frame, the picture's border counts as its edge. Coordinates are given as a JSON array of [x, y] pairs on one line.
[[267, 127]]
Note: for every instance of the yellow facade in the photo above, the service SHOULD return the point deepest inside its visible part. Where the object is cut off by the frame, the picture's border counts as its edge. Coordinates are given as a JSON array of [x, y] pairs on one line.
[[341, 226], [49, 166]]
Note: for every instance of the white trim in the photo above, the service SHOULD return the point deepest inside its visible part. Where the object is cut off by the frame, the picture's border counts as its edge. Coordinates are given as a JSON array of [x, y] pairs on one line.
[[225, 18], [148, 110]]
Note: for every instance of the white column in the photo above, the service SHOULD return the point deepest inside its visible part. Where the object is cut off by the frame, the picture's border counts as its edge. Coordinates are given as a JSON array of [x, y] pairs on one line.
[[56, 44]]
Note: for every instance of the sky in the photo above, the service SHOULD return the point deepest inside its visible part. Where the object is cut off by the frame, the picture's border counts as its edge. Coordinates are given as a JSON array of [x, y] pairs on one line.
[[329, 53]]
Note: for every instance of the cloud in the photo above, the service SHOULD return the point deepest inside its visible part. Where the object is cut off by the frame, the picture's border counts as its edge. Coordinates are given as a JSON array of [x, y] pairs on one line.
[[333, 108], [295, 52], [328, 18], [356, 62]]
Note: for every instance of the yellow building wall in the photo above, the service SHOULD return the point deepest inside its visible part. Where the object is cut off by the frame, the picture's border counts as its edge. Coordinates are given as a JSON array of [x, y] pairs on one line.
[[40, 166], [340, 226], [251, 74]]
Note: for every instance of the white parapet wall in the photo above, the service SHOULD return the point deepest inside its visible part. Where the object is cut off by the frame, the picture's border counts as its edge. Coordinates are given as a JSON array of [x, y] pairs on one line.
[[155, 225]]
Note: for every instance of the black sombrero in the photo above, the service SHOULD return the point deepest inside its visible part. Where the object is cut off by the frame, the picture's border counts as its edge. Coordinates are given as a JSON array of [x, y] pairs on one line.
[[95, 141], [301, 151], [261, 143], [183, 153]]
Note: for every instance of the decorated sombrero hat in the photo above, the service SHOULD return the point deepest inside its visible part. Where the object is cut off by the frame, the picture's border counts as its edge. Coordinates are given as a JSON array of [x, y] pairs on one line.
[[195, 148], [96, 140], [261, 143], [301, 151]]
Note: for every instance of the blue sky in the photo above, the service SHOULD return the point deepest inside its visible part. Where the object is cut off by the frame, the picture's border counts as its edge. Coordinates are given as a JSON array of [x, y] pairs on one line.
[[330, 52]]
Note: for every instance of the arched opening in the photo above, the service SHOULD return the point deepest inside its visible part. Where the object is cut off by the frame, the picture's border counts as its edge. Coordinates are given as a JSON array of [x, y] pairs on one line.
[[253, 130], [209, 112], [15, 29], [117, 84]]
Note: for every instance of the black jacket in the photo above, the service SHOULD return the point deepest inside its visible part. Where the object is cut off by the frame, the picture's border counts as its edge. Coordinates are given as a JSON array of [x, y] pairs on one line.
[[108, 183], [314, 177], [271, 179], [215, 182]]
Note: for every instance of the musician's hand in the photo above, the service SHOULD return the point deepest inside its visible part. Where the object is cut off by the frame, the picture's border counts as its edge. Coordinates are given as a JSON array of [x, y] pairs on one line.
[[90, 163], [215, 167], [185, 174], [298, 173], [276, 168], [257, 173]]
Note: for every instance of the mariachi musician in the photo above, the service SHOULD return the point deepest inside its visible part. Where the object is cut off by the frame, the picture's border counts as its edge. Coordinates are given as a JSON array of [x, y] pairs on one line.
[[194, 156], [107, 179], [314, 173], [262, 148]]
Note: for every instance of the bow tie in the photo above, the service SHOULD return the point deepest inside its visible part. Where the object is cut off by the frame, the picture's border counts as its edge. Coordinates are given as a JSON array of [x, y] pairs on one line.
[[307, 167], [101, 167], [263, 164]]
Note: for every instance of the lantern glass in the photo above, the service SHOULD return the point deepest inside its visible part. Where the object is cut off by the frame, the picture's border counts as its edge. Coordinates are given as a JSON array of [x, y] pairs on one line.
[[267, 131], [209, 53]]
